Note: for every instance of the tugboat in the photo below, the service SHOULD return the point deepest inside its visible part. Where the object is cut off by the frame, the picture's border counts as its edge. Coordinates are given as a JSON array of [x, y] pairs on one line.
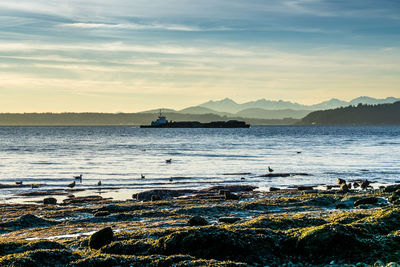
[[162, 122]]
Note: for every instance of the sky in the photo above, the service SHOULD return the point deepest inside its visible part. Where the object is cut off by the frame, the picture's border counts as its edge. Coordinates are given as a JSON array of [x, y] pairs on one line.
[[134, 55]]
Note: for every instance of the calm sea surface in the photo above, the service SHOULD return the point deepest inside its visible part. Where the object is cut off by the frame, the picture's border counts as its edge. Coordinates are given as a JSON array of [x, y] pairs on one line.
[[200, 157]]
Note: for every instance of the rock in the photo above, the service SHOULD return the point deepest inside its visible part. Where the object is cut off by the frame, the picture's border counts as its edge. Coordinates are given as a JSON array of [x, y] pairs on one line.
[[356, 185], [222, 192], [101, 214], [41, 257], [345, 204], [85, 199], [220, 244], [228, 219], [341, 181], [155, 198], [115, 208], [27, 221], [50, 201], [272, 189], [101, 238], [230, 188], [330, 240], [231, 196], [197, 221], [302, 188], [275, 175], [162, 193], [391, 188], [310, 191], [367, 200]]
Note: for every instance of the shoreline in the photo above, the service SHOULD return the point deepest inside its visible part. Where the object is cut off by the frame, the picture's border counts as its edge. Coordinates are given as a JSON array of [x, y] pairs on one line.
[[226, 225]]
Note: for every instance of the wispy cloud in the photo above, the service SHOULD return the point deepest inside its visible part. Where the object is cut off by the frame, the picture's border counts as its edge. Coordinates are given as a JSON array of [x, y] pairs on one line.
[[136, 26]]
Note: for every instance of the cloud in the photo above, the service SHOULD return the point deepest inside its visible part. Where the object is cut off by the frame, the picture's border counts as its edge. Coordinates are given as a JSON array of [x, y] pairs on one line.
[[136, 26]]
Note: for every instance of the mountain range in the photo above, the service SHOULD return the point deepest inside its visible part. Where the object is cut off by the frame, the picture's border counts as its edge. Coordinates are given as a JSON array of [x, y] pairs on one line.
[[269, 109]]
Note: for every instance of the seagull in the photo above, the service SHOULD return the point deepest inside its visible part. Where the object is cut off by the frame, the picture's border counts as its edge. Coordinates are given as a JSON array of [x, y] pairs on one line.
[[18, 182], [99, 183], [269, 169], [170, 179], [365, 184], [142, 176], [78, 177], [168, 160], [71, 185]]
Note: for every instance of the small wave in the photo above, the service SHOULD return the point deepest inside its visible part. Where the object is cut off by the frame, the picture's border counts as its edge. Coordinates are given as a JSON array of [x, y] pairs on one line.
[[45, 163]]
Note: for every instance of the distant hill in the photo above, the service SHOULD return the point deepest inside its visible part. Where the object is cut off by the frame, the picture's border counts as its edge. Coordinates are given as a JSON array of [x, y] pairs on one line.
[[272, 114], [362, 114], [112, 119], [228, 105]]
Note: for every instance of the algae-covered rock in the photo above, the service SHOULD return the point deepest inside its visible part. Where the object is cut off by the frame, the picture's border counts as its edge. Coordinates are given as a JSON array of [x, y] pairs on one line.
[[222, 244], [153, 260], [391, 188], [366, 200], [230, 196], [28, 221], [50, 201], [51, 257], [136, 247], [197, 221], [161, 194], [101, 238], [230, 188], [284, 223], [330, 241], [228, 219], [101, 214]]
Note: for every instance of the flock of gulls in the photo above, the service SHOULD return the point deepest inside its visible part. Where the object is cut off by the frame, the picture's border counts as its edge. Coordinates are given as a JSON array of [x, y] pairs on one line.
[[142, 176], [79, 177]]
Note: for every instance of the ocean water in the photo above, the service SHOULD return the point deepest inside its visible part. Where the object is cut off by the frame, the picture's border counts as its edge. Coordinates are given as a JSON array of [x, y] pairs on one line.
[[117, 156]]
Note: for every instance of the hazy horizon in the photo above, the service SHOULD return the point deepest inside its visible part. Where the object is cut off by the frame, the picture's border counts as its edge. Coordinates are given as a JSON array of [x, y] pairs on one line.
[[131, 56]]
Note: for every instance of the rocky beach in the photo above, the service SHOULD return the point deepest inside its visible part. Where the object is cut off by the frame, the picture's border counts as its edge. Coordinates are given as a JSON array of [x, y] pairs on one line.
[[233, 225]]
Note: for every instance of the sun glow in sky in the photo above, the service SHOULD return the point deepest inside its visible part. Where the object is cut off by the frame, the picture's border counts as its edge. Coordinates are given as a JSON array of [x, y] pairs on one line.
[[133, 55]]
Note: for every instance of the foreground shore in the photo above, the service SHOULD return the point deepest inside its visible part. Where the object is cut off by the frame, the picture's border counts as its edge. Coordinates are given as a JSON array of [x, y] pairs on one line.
[[228, 226]]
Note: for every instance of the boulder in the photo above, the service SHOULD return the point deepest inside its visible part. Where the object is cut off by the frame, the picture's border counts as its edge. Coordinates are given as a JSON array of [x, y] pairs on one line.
[[341, 181], [197, 221], [50, 201], [101, 238]]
